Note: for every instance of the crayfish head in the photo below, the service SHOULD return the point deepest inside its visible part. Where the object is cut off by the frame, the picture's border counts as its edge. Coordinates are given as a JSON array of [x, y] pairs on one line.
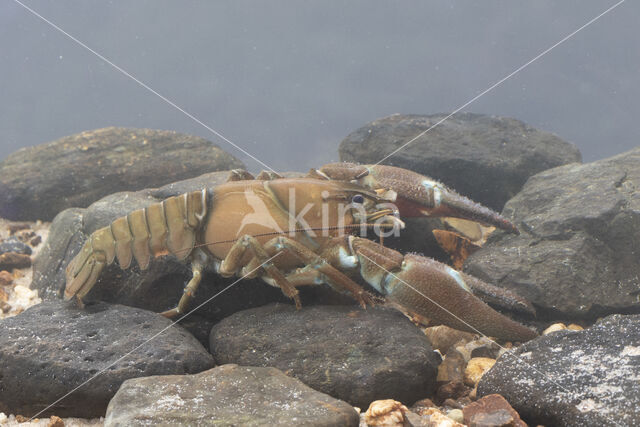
[[318, 204], [415, 194]]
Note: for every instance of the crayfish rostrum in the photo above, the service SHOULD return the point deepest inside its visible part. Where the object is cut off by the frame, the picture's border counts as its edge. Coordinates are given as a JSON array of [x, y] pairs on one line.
[[294, 232]]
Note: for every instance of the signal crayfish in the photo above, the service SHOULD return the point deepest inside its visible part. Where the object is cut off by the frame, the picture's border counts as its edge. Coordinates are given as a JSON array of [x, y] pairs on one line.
[[294, 232]]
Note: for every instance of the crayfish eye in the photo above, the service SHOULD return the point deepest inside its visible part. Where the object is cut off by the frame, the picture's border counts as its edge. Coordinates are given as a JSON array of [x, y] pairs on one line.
[[358, 198]]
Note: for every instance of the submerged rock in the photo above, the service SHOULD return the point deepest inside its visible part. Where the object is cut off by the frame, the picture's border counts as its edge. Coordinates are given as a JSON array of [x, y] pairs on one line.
[[577, 252], [486, 158], [352, 354], [226, 395], [53, 348], [574, 378], [74, 171]]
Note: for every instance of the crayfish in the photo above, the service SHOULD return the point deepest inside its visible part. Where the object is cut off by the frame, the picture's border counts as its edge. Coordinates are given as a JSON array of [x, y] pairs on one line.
[[294, 232]]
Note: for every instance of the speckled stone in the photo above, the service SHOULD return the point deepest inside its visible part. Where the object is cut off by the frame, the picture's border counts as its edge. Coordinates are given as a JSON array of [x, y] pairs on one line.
[[74, 171], [54, 347], [574, 378], [228, 395]]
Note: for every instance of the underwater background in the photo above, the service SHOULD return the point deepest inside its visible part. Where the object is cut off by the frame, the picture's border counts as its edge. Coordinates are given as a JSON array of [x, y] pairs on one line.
[[287, 82]]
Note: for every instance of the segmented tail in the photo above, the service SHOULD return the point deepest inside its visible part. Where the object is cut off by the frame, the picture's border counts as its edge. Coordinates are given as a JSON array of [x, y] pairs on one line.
[[168, 227]]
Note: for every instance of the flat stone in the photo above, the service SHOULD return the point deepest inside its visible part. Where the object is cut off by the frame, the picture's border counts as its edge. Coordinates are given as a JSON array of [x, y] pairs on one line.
[[352, 354], [227, 395], [54, 347], [577, 253], [486, 158], [573, 378], [74, 171]]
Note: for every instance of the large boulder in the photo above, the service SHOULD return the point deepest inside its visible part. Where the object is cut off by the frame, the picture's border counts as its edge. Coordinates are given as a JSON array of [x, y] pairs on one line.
[[228, 395], [74, 171], [577, 252], [486, 158], [70, 362], [349, 353], [574, 378]]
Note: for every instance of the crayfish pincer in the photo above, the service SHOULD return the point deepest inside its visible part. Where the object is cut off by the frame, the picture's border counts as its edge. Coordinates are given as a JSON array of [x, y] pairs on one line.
[[295, 232]]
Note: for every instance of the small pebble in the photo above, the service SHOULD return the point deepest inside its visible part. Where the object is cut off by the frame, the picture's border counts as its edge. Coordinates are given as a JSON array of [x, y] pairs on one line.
[[5, 278], [456, 415], [554, 328], [450, 403], [55, 422], [14, 245], [439, 419], [11, 260], [387, 412], [5, 307], [35, 241], [452, 367], [3, 418], [17, 226], [492, 410], [575, 327], [443, 337], [473, 394], [476, 369], [452, 390]]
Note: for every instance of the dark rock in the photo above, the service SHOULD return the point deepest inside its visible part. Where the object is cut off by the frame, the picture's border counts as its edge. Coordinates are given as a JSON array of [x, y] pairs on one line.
[[14, 245], [577, 254], [160, 286], [74, 171], [355, 355], [10, 260], [574, 378], [52, 348], [227, 395], [492, 410], [486, 158]]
